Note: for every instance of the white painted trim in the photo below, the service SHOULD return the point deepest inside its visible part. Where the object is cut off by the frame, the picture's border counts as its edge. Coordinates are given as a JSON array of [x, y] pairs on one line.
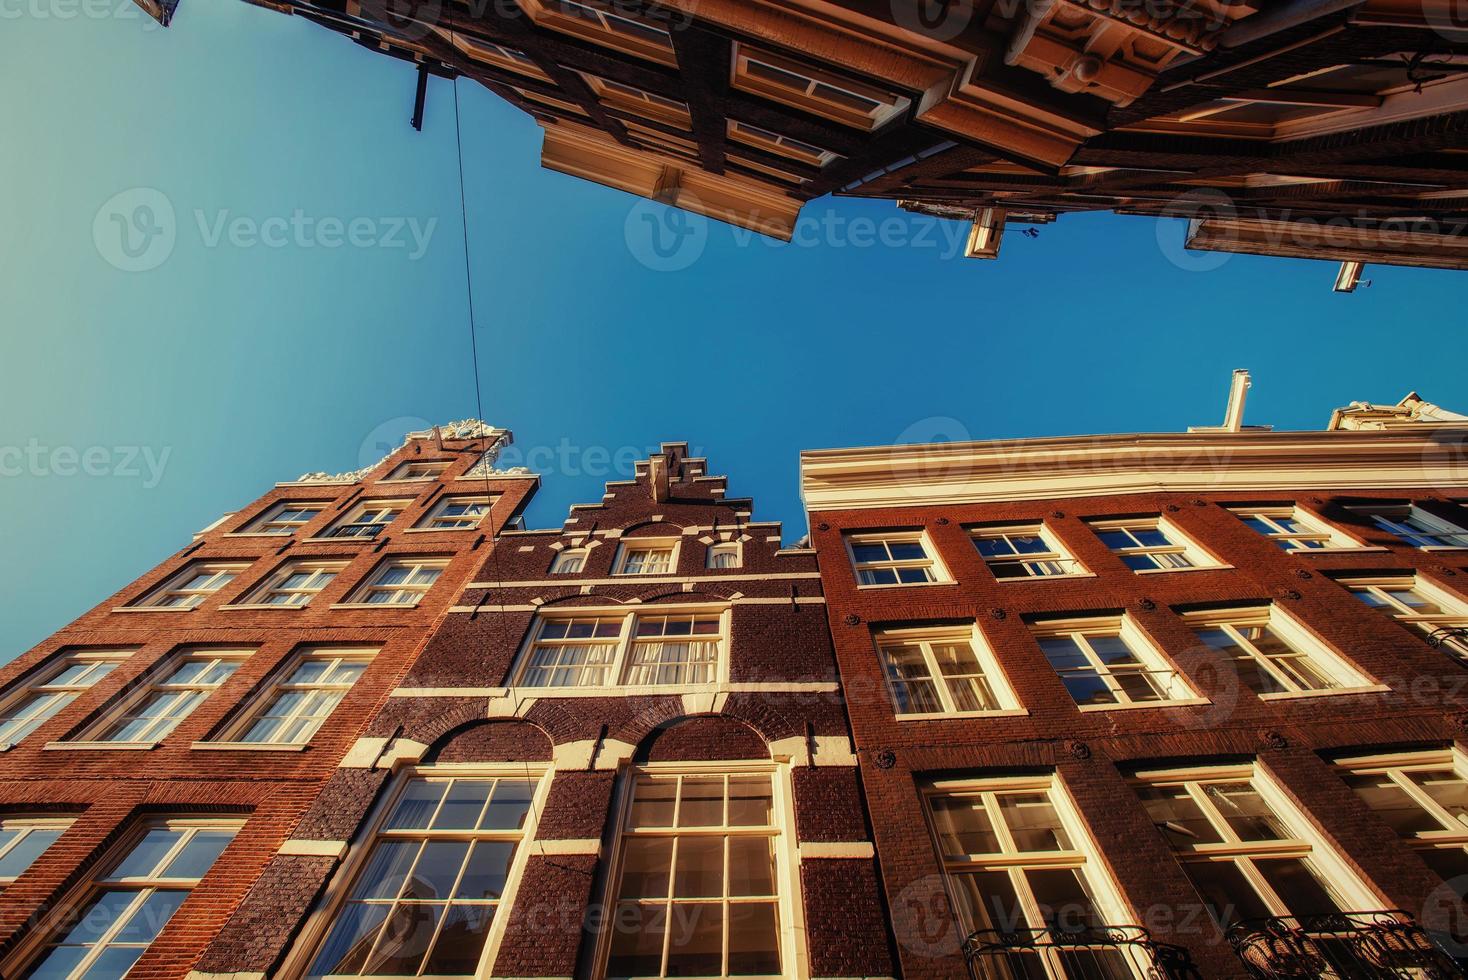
[[448, 692], [581, 845], [650, 579], [375, 753], [1092, 466], [313, 848], [822, 850], [196, 975]]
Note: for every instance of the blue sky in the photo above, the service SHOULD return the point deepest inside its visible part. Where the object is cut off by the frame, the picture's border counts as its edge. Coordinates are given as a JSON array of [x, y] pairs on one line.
[[294, 322]]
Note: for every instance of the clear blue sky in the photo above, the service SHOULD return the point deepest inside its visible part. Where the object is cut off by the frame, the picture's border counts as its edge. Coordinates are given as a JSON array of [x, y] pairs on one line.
[[197, 384]]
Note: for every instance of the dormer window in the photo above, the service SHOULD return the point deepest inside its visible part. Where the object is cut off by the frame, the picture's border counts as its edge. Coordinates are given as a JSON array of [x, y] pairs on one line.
[[725, 555], [569, 562]]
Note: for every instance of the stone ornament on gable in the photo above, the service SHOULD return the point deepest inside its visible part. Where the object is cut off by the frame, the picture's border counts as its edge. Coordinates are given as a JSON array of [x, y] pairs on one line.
[[462, 429]]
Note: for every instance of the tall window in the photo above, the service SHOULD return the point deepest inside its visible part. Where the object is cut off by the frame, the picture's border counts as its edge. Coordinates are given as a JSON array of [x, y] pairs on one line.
[[1014, 857], [647, 557], [430, 469], [440, 866], [368, 519], [1107, 662], [23, 839], [1023, 551], [296, 706], [285, 518], [569, 562], [295, 583], [646, 649], [1272, 653], [456, 514], [1415, 526], [1293, 529], [1244, 850], [190, 587], [898, 558], [126, 908], [1149, 544], [1409, 600], [400, 581], [181, 684], [33, 703], [1422, 796], [698, 879], [724, 555], [941, 671]]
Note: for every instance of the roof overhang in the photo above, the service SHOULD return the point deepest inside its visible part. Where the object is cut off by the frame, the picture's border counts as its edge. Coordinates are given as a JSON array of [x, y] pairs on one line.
[[1427, 455]]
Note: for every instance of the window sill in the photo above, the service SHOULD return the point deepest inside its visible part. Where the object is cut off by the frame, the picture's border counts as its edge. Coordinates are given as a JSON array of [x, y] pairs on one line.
[[943, 715], [440, 530], [1441, 547], [1364, 549], [1136, 705], [257, 534], [907, 585], [373, 605], [1190, 568], [263, 605], [1047, 578], [152, 609], [404, 480], [86, 746], [251, 746], [1327, 692], [345, 539]]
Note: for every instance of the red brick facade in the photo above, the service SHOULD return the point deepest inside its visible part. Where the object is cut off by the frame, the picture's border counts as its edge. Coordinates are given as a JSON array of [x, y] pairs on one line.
[[1091, 752]]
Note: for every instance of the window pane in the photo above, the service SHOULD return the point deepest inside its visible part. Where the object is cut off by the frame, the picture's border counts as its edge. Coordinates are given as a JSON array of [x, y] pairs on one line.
[[754, 943], [463, 805], [751, 866], [1246, 812], [24, 854], [1392, 804], [1033, 822], [199, 854], [1296, 885], [1225, 891], [461, 941], [963, 826], [750, 801], [404, 940], [1447, 789], [1062, 897], [351, 940], [509, 806], [702, 802], [646, 864], [145, 856], [1180, 819], [637, 940], [487, 870], [696, 946], [417, 804], [700, 868]]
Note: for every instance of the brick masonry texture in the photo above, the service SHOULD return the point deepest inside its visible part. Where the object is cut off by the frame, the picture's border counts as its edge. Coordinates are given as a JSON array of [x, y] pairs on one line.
[[1291, 739]]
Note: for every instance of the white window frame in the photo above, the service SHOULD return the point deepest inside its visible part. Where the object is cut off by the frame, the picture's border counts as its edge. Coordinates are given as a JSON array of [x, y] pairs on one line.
[[157, 682], [1455, 610], [1056, 555], [221, 574], [673, 546], [373, 582], [566, 557], [924, 638], [1315, 529], [1083, 856], [787, 860], [63, 915], [1452, 835], [889, 104], [720, 548], [317, 568], [1348, 678], [778, 143], [41, 684], [617, 669], [25, 826], [280, 685], [357, 518], [418, 471], [269, 524], [318, 926], [1179, 543], [599, 29], [1177, 690], [1306, 845], [1392, 519], [937, 571], [437, 520]]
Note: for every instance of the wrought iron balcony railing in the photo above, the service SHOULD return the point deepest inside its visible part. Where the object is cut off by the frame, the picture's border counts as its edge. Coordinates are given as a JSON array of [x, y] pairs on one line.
[[1340, 946], [1091, 953], [1453, 640]]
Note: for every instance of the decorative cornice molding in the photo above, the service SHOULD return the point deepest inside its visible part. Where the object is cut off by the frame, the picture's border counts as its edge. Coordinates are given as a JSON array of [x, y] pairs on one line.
[[460, 430], [1426, 455]]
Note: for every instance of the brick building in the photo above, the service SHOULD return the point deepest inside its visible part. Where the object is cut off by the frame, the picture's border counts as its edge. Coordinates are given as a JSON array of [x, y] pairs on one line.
[[1114, 696], [613, 748], [1327, 130], [204, 707]]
